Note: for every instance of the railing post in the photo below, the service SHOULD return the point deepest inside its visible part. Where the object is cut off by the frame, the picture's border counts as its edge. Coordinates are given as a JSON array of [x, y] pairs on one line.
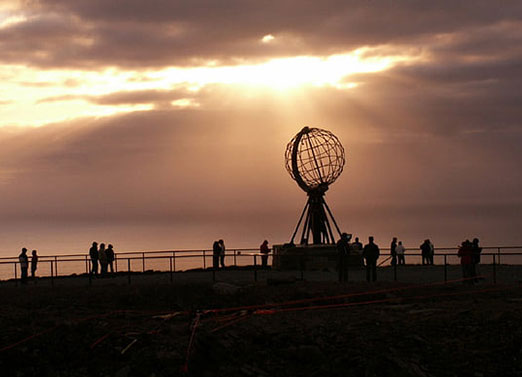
[[143, 261], [174, 264], [56, 265], [204, 260], [86, 265], [171, 274], [235, 253], [255, 267], [445, 269], [494, 269], [16, 274], [128, 271], [52, 274], [498, 252], [115, 263]]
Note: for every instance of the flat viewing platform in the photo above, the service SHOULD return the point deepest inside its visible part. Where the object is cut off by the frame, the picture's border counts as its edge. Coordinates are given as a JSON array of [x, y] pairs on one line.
[[247, 275]]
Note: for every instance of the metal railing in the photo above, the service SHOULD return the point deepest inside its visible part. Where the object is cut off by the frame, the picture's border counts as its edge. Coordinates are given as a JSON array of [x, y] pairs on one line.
[[172, 261]]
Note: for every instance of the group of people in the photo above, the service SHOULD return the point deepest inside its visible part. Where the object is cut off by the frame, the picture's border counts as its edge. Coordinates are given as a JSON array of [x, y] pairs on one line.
[[23, 258], [370, 253], [218, 254], [427, 252], [104, 257], [469, 254], [397, 251]]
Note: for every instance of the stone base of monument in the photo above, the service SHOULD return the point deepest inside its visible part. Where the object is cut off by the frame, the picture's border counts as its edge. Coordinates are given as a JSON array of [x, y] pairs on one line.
[[310, 258]]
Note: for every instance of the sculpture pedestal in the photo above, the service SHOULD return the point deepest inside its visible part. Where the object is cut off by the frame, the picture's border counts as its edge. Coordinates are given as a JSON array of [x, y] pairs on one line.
[[310, 257]]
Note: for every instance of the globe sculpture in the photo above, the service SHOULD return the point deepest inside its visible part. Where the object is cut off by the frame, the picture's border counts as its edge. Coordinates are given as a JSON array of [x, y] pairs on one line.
[[314, 158]]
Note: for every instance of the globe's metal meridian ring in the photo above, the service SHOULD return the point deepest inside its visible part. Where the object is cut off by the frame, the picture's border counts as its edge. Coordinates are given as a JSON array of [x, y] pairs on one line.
[[314, 158]]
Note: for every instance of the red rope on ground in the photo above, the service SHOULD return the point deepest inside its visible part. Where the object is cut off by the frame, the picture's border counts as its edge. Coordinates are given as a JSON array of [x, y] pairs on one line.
[[99, 340], [195, 325], [78, 320], [337, 297], [337, 306], [231, 322], [22, 341]]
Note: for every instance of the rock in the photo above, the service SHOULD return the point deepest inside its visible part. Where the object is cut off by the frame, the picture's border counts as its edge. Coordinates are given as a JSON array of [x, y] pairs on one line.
[[309, 353], [123, 372], [225, 289]]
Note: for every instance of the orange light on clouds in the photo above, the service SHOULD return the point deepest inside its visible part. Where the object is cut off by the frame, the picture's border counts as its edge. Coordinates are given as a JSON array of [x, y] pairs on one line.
[[35, 97]]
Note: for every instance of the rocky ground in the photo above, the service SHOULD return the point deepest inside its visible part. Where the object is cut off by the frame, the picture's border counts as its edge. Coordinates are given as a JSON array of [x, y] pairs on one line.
[[145, 330]]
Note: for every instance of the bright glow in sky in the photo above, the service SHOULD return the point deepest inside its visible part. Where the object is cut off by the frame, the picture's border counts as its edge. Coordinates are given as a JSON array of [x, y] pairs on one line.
[[36, 97]]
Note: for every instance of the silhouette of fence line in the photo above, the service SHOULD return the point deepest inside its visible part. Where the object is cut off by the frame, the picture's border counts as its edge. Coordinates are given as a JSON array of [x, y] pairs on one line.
[[172, 261]]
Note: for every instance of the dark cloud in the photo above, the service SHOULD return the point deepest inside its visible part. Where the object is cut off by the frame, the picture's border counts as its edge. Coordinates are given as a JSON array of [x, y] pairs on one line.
[[125, 98], [158, 33]]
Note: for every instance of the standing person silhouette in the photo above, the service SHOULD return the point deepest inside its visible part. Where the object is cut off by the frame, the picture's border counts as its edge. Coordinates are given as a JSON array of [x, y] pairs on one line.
[[222, 253], [343, 250], [400, 253], [371, 254], [431, 253], [34, 263], [357, 246], [110, 258], [393, 251], [476, 251], [216, 250], [264, 250], [425, 251], [24, 265], [93, 253], [102, 254], [466, 261]]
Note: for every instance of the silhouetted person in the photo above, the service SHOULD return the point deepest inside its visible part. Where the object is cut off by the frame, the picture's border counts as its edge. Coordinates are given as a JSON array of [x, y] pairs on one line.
[[476, 251], [393, 251], [24, 265], [264, 250], [216, 251], [222, 253], [93, 253], [371, 254], [466, 260], [34, 263], [102, 254], [357, 246], [110, 257], [400, 253], [425, 251], [343, 250]]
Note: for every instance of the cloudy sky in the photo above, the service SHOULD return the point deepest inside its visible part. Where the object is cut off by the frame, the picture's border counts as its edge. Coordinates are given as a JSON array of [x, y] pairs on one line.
[[163, 124]]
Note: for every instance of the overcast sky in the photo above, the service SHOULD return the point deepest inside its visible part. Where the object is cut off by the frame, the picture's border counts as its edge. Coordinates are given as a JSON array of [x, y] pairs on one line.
[[171, 115]]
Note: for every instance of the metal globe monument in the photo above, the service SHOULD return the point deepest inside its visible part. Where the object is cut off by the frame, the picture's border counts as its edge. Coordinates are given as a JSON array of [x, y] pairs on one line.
[[315, 158]]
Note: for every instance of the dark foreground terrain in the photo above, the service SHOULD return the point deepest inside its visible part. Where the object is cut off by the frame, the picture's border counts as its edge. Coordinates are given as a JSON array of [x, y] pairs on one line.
[[145, 330]]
